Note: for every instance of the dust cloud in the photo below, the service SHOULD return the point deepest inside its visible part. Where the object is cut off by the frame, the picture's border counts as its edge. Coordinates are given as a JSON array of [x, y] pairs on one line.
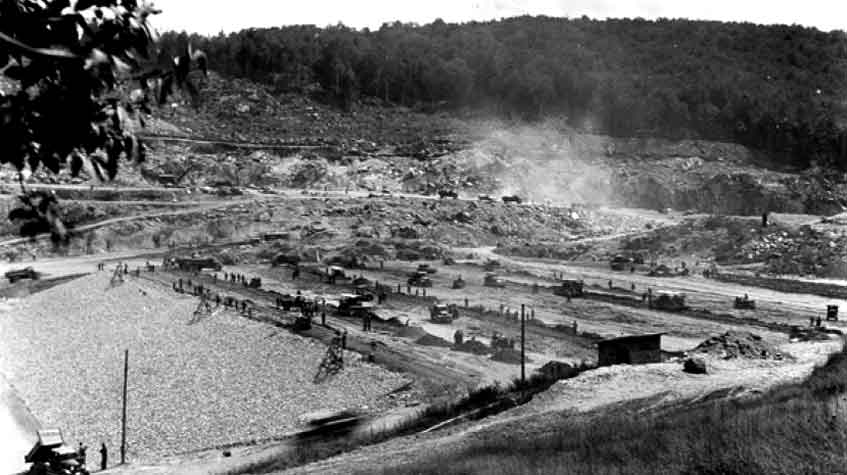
[[544, 163]]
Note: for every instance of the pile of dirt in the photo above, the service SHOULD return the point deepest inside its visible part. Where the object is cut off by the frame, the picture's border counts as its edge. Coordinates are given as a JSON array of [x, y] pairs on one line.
[[509, 355], [432, 340], [735, 344], [473, 346]]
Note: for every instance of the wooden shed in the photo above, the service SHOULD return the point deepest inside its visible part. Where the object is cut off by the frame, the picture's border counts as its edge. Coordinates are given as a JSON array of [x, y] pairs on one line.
[[634, 349]]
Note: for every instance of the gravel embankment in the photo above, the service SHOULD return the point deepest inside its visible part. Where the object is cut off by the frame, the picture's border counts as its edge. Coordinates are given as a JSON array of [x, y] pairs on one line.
[[223, 380]]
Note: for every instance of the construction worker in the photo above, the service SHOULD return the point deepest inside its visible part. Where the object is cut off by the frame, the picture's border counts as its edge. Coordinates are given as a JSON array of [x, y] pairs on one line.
[[818, 321], [632, 287], [765, 219], [344, 340], [104, 456], [610, 284], [458, 337], [81, 452]]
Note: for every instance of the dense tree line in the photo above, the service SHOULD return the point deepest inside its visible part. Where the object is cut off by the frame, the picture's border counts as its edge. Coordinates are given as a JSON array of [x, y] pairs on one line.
[[779, 89]]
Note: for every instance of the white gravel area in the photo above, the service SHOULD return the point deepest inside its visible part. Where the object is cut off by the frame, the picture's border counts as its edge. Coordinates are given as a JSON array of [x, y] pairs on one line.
[[222, 380]]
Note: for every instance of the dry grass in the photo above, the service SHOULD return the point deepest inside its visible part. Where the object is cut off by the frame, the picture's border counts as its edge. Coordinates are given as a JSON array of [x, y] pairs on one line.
[[798, 428]]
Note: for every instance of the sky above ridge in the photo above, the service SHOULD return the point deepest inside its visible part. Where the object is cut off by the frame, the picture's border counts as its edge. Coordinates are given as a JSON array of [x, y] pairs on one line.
[[210, 17]]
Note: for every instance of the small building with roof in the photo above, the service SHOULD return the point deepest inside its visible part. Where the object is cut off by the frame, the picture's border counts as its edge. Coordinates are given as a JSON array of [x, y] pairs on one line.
[[632, 349]]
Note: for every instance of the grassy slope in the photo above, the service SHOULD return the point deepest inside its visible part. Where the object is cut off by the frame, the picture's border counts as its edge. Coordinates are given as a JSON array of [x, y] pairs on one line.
[[793, 429]]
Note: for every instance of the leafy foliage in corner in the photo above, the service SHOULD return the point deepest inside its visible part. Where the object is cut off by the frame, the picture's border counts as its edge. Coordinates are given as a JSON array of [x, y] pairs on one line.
[[779, 89], [65, 100]]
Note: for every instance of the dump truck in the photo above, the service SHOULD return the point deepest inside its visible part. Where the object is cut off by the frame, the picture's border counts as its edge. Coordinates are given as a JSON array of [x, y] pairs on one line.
[[441, 313], [419, 279], [492, 280], [569, 288], [21, 274], [670, 303], [51, 456], [744, 303]]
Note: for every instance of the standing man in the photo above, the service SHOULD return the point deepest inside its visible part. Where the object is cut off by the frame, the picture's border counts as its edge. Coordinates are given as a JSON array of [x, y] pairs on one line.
[[104, 456]]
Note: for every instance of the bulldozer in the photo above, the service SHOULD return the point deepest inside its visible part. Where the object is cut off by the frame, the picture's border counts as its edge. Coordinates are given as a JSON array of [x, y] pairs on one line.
[[569, 288], [669, 303], [51, 456], [491, 280], [442, 313], [420, 279], [459, 283], [744, 303]]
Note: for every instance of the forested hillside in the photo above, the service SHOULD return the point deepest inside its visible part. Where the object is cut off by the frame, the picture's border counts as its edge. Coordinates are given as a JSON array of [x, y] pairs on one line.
[[779, 89]]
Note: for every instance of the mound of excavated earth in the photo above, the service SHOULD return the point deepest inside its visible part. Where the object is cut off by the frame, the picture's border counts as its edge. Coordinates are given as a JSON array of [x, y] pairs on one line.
[[221, 380], [734, 344]]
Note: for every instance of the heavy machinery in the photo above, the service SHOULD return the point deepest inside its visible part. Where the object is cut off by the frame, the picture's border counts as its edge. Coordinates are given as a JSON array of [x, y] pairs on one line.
[[832, 313], [51, 456], [569, 288], [442, 313], [512, 199], [193, 264], [492, 280], [419, 279], [664, 271], [487, 198], [255, 283], [744, 303], [349, 303], [426, 268], [285, 260], [490, 265], [620, 262], [443, 193], [334, 273], [21, 274], [669, 303], [459, 283], [498, 340]]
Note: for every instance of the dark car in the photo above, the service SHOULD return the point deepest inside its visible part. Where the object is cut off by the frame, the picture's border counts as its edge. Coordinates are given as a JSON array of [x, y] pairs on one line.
[[447, 194], [512, 199]]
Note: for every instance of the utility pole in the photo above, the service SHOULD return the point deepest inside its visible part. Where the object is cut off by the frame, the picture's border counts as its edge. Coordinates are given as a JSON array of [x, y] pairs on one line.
[[123, 421], [523, 344]]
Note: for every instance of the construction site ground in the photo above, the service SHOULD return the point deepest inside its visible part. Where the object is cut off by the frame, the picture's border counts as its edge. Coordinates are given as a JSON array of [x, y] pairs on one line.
[[355, 192]]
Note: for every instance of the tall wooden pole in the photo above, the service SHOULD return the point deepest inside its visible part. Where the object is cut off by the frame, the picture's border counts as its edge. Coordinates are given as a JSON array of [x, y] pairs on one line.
[[123, 419], [523, 344]]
